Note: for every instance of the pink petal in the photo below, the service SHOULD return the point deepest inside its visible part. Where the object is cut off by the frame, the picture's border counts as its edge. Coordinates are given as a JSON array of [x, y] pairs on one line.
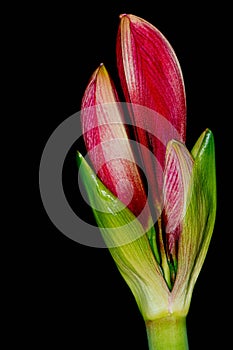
[[107, 142], [177, 177], [151, 76]]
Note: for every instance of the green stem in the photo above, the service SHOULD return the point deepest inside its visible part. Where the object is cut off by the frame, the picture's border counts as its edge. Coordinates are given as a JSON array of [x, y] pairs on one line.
[[168, 333]]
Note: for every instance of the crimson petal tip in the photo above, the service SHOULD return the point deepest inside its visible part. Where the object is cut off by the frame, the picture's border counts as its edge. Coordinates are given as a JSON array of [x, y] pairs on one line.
[[123, 15]]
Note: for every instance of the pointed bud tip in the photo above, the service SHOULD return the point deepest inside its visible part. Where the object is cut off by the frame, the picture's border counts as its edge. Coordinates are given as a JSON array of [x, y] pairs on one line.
[[123, 15], [208, 131], [206, 135], [100, 69], [79, 158]]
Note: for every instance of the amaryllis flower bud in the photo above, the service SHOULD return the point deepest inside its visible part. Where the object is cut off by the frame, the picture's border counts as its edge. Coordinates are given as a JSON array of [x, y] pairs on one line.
[[151, 76], [159, 257], [104, 134], [150, 72]]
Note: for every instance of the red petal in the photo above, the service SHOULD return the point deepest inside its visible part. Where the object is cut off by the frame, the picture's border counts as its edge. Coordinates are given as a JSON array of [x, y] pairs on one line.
[[107, 143], [151, 76]]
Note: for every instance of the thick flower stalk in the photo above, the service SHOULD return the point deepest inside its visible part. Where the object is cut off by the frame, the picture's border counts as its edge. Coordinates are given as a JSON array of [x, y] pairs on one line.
[[159, 245]]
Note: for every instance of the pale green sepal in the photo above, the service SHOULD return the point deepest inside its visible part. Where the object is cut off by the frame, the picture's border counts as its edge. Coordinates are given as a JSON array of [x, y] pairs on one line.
[[128, 245], [198, 223]]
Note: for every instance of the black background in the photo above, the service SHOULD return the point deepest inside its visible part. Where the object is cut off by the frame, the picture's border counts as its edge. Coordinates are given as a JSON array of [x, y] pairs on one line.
[[74, 296]]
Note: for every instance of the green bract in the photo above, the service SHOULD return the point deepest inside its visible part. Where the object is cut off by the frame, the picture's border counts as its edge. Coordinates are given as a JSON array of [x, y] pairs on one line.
[[129, 244], [134, 259], [199, 220]]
